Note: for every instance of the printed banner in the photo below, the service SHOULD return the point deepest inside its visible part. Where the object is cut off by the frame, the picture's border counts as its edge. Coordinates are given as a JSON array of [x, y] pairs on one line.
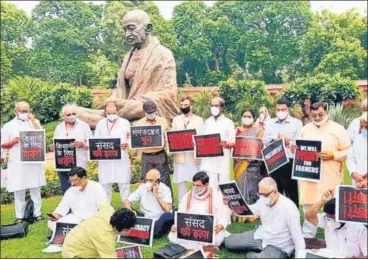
[[60, 232], [140, 234], [236, 202], [180, 141], [274, 155], [351, 204], [65, 154], [32, 146], [104, 149], [207, 146], [194, 227], [307, 164], [248, 148], [146, 137], [129, 252]]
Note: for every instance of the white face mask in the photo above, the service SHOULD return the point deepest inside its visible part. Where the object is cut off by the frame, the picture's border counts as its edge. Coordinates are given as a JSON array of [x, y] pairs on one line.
[[71, 119], [215, 111], [332, 224], [262, 117], [247, 121], [282, 115], [148, 186], [23, 116], [151, 116], [79, 188], [112, 117], [320, 123]]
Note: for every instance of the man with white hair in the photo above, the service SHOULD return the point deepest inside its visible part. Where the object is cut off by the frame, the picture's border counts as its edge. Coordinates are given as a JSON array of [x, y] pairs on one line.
[[218, 168], [280, 232], [22, 176], [72, 128], [155, 202], [357, 157], [354, 127]]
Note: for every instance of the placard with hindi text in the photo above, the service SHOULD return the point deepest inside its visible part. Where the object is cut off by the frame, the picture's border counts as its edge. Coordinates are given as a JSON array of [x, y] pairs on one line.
[[65, 154], [142, 137], [32, 146], [236, 202], [248, 148], [351, 204], [104, 149]]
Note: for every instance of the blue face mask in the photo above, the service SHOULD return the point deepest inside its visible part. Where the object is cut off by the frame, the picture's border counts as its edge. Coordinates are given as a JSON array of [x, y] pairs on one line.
[[364, 133]]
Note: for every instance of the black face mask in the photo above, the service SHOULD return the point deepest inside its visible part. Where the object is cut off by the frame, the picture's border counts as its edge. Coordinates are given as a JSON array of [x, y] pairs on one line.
[[185, 110]]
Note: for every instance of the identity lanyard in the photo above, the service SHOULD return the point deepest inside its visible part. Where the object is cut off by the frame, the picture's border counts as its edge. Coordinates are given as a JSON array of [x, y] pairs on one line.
[[186, 123], [112, 126]]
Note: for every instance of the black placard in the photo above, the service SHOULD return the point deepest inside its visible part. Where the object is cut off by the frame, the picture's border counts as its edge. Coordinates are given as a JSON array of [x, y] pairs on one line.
[[351, 204], [248, 148], [236, 202], [129, 252], [60, 232], [181, 140], [32, 146], [199, 254], [146, 137], [307, 164], [274, 155], [208, 146], [140, 234], [65, 154], [104, 149], [194, 227]]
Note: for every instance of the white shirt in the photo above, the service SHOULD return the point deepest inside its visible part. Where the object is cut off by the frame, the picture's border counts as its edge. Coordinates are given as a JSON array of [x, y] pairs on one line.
[[280, 225], [353, 129], [82, 203], [117, 171], [80, 132], [290, 127], [149, 204], [225, 127], [350, 240], [357, 158]]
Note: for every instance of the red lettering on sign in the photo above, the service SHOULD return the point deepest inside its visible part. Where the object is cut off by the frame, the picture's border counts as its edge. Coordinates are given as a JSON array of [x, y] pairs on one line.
[[307, 156]]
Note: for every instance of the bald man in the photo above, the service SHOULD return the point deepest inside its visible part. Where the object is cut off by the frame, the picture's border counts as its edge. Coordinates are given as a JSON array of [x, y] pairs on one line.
[[148, 72], [354, 127], [22, 176], [280, 232], [155, 202]]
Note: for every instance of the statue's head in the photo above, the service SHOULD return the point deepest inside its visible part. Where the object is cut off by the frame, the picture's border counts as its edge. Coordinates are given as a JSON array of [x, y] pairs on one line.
[[137, 26]]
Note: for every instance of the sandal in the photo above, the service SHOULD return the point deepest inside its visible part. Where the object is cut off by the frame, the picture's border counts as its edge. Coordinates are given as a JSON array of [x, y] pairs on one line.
[[39, 218], [18, 221]]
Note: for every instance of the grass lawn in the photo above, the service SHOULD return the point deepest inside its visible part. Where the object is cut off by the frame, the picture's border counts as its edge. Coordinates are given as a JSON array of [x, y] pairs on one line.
[[35, 241]]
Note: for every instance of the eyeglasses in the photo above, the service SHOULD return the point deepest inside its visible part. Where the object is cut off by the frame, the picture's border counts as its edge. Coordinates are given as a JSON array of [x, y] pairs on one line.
[[320, 115], [74, 181], [71, 114], [265, 195], [23, 111]]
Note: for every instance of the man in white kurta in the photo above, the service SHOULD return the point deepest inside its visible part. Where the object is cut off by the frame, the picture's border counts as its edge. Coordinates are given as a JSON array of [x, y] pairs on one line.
[[117, 171], [203, 200], [185, 166], [82, 199], [72, 128], [3, 157], [354, 127], [22, 176], [218, 168]]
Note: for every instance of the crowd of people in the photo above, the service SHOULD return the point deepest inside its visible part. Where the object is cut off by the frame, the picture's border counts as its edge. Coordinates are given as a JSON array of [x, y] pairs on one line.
[[274, 199]]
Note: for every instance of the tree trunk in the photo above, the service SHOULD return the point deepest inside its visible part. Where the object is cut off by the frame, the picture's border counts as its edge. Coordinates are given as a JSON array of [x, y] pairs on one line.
[[217, 62], [207, 65]]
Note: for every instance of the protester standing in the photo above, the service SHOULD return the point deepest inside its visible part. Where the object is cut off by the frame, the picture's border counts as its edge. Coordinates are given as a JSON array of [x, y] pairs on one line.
[[354, 126]]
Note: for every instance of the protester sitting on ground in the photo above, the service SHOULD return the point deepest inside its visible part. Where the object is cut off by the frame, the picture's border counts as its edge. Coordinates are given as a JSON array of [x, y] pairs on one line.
[[346, 239], [155, 202], [80, 201], [280, 232], [202, 199], [95, 237]]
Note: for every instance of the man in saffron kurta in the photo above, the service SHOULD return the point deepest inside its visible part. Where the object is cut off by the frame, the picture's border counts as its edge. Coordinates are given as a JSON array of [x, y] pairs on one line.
[[335, 148]]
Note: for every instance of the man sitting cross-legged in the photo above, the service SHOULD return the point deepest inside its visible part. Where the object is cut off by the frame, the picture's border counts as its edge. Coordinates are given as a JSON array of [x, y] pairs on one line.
[[156, 202]]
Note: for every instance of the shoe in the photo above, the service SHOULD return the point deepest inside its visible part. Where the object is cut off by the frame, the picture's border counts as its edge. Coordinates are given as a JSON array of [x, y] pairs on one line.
[[18, 221], [39, 218]]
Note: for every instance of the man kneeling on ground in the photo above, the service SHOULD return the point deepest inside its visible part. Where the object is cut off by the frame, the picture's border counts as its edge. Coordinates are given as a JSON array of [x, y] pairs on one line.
[[156, 202], [95, 237], [280, 232]]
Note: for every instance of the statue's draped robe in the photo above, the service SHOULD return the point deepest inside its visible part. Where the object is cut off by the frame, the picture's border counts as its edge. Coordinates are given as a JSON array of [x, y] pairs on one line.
[[152, 77]]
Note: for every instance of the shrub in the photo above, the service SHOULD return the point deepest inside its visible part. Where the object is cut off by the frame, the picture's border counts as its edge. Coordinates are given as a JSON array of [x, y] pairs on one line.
[[50, 129], [202, 102], [136, 173], [339, 115]]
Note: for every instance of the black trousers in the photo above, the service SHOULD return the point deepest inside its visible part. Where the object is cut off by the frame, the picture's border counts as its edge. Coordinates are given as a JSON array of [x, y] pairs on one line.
[[64, 181], [162, 225], [285, 184]]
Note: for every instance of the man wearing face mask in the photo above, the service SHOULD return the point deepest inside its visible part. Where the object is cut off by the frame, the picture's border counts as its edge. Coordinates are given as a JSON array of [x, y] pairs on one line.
[[203, 199], [110, 172], [155, 158], [349, 240], [357, 157], [280, 232], [354, 127], [22, 176], [73, 128], [185, 166], [335, 148], [285, 127], [218, 168], [155, 202], [82, 199]]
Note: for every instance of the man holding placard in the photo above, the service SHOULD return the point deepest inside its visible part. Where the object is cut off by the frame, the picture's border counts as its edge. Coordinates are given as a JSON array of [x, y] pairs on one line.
[[72, 128], [23, 175], [185, 166], [117, 171], [218, 168]]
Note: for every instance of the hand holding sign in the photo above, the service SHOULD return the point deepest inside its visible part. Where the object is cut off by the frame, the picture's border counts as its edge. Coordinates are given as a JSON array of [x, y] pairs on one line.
[[326, 155], [15, 140], [328, 195]]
